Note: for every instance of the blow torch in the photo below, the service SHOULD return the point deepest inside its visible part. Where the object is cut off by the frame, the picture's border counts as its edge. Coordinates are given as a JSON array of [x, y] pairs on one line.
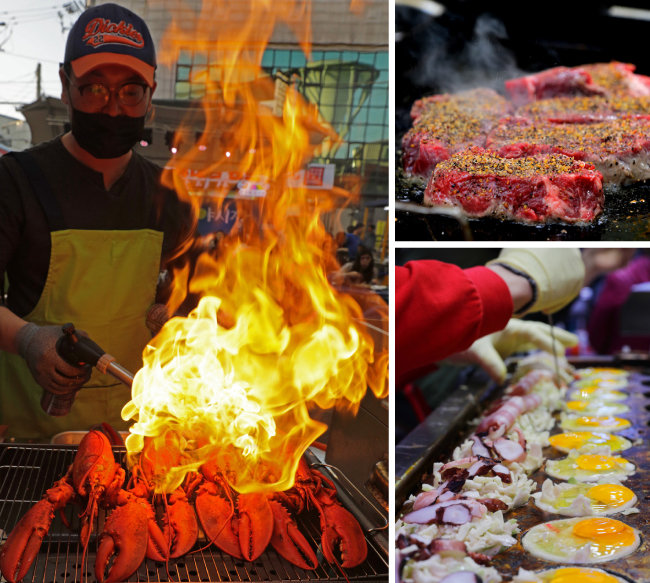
[[81, 351]]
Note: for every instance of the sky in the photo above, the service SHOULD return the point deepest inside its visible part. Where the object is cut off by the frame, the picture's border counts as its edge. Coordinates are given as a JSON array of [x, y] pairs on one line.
[[32, 32]]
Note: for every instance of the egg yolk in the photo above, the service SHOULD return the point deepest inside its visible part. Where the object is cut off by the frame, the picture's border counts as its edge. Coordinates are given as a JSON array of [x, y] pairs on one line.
[[610, 494], [606, 381], [598, 462], [615, 442], [577, 405], [606, 535], [576, 439], [599, 394], [570, 440], [577, 575], [603, 421], [596, 371], [603, 381]]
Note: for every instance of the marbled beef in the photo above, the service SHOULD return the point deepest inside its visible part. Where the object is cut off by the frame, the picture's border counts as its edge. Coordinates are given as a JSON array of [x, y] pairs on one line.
[[546, 187]]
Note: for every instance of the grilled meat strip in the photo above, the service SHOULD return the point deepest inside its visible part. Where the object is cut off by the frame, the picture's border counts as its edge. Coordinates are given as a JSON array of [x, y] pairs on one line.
[[533, 188], [604, 79], [585, 109], [618, 148], [446, 124]]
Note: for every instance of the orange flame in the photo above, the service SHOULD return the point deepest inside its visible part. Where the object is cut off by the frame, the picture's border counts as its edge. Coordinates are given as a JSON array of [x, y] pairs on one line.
[[270, 338]]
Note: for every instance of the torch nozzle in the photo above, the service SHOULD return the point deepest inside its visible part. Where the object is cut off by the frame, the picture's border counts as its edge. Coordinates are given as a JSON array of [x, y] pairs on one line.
[[80, 350]]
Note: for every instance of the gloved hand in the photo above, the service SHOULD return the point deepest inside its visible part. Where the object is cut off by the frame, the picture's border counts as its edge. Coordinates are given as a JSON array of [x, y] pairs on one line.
[[156, 317], [558, 274], [37, 345], [518, 336]]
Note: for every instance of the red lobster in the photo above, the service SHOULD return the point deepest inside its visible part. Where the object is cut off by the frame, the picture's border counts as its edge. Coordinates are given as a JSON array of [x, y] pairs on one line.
[[93, 476], [243, 528], [179, 526], [243, 525], [341, 532]]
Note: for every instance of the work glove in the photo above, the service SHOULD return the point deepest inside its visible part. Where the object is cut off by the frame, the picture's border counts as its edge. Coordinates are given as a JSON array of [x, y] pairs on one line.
[[37, 345], [156, 317], [518, 336], [558, 275]]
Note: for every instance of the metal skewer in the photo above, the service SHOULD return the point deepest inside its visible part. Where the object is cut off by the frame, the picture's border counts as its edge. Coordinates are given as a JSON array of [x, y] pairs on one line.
[[555, 359]]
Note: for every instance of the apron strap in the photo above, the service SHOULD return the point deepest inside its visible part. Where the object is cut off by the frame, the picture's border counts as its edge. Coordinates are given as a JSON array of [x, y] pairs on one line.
[[42, 190]]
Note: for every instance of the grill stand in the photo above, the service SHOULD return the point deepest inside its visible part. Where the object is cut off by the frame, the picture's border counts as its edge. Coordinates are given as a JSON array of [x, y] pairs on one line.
[[26, 471]]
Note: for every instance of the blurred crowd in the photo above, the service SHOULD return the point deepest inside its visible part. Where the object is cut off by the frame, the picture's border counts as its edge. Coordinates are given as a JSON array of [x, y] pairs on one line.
[[355, 255]]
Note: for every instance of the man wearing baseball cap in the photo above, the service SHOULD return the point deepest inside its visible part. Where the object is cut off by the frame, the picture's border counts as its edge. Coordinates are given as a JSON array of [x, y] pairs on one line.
[[108, 46], [85, 230]]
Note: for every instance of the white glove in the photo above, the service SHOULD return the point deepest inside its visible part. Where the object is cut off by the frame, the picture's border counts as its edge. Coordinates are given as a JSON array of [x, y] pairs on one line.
[[558, 274], [518, 336]]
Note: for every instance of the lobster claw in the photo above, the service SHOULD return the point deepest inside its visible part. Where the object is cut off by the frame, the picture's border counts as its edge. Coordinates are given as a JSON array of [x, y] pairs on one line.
[[21, 547], [179, 524], [157, 540], [124, 540], [287, 539], [217, 518], [341, 532], [255, 524]]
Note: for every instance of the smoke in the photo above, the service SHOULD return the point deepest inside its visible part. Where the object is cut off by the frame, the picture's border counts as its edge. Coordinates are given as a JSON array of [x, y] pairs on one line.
[[449, 63]]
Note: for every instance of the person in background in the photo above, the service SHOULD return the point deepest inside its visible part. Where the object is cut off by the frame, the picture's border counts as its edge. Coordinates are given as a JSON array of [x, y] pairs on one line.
[[369, 238], [219, 234], [353, 240], [599, 261], [604, 321], [359, 271], [341, 251], [86, 228], [442, 310]]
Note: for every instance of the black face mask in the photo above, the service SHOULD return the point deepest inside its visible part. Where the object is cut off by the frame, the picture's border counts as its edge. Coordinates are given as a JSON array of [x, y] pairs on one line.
[[105, 136]]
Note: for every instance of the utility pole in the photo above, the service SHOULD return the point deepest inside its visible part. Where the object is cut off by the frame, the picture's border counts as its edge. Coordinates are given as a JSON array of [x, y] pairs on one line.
[[38, 82]]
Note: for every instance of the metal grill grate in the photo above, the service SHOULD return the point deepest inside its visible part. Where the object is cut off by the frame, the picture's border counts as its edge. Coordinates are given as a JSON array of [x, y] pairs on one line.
[[27, 471]]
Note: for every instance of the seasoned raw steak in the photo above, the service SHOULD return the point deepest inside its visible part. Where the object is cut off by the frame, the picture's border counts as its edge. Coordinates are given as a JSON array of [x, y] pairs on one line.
[[585, 109], [618, 148], [539, 188], [445, 124], [479, 102], [605, 79]]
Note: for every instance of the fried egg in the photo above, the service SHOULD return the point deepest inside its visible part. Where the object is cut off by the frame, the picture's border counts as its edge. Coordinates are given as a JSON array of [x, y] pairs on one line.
[[602, 372], [584, 499], [567, 441], [602, 423], [597, 395], [602, 384], [567, 575], [590, 467], [581, 540], [587, 407]]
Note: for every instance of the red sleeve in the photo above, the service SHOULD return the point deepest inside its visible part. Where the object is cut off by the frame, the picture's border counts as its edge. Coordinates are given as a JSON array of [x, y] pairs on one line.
[[441, 309]]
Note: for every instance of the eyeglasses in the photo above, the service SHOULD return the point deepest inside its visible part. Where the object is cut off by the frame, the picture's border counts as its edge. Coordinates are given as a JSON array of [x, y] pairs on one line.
[[97, 95]]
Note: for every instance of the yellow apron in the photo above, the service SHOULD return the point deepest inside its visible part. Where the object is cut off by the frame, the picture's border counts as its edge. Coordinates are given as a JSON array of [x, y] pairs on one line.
[[103, 282]]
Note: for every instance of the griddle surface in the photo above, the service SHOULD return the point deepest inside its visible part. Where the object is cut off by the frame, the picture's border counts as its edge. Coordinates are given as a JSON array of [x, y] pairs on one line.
[[626, 217], [635, 567]]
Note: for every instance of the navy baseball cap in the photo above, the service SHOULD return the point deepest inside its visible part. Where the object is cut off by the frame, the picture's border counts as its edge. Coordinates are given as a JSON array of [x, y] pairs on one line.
[[109, 34]]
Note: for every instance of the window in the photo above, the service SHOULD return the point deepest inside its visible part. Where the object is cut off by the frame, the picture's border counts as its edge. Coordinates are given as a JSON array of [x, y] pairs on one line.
[[350, 89]]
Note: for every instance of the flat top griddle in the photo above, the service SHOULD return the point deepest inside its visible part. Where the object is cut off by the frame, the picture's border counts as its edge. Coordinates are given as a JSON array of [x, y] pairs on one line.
[[626, 217], [463, 407], [26, 471]]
